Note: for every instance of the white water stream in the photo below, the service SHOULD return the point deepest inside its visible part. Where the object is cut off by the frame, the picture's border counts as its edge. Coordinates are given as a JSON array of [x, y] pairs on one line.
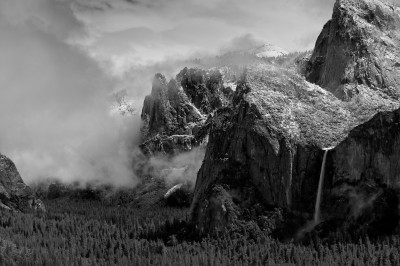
[[320, 186]]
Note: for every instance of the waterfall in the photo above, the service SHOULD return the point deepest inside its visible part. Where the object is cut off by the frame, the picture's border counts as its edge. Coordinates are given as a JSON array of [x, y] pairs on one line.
[[289, 180], [320, 185]]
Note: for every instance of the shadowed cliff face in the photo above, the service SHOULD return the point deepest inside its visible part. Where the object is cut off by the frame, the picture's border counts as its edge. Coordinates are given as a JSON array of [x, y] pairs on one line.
[[370, 152], [360, 45], [361, 194], [14, 193]]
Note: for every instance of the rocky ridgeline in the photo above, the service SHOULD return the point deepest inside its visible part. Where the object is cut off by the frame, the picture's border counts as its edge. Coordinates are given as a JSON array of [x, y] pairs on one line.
[[14, 193], [175, 113], [265, 145]]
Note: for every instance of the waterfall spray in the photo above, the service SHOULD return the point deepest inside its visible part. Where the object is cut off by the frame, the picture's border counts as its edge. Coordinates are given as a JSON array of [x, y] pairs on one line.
[[320, 185]]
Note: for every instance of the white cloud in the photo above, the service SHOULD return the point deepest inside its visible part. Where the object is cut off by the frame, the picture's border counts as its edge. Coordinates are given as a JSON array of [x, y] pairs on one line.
[[145, 32], [54, 108]]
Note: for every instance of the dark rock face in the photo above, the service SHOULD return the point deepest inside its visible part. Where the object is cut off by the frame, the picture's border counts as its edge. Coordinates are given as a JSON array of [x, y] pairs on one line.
[[14, 193], [363, 175], [361, 192], [370, 152], [167, 109], [175, 113], [355, 208], [360, 45]]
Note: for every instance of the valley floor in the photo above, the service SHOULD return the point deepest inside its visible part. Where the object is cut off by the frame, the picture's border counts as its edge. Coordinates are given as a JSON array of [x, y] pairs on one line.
[[90, 233]]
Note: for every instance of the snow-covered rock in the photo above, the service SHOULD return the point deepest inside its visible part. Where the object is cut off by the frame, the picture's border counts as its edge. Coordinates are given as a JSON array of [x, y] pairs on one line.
[[268, 50]]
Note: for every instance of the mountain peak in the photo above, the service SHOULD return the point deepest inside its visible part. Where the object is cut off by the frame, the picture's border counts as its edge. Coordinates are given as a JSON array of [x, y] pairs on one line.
[[359, 46]]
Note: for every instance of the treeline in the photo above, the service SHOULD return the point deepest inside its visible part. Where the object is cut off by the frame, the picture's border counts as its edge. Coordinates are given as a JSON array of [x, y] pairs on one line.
[[90, 233]]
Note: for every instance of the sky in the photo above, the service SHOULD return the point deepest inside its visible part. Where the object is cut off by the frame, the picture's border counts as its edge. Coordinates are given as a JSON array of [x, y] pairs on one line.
[[143, 32], [63, 61]]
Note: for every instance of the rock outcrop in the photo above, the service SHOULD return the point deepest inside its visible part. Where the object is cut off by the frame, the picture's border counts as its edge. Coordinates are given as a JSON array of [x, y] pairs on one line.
[[14, 193], [266, 148], [169, 118], [174, 115], [360, 45]]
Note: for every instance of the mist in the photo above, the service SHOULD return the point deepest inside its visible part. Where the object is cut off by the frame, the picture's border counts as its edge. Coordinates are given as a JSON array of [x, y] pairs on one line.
[[181, 168], [55, 119], [242, 43]]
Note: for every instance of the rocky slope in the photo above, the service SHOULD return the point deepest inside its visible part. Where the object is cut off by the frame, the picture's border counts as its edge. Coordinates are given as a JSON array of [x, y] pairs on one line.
[[14, 193], [174, 115], [265, 150], [360, 45]]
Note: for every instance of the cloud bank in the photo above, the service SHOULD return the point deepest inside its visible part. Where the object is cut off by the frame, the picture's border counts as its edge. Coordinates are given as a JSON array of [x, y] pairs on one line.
[[141, 33], [54, 105]]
